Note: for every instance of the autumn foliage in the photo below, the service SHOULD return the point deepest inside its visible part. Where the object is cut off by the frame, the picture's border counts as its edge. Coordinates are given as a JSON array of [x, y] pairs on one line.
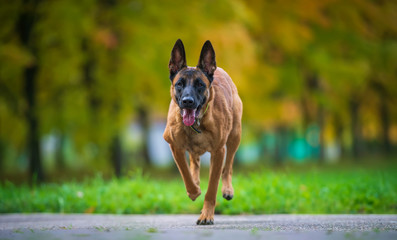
[[83, 70]]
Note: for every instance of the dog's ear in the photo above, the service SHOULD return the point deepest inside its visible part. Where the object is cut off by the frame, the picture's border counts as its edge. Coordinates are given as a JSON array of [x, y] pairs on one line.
[[178, 59], [207, 62]]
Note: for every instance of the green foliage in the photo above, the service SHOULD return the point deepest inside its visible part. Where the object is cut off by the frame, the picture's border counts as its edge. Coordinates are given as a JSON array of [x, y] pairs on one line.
[[100, 62], [262, 192]]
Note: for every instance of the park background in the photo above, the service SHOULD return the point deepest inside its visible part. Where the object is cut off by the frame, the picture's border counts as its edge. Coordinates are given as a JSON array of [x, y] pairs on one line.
[[84, 94]]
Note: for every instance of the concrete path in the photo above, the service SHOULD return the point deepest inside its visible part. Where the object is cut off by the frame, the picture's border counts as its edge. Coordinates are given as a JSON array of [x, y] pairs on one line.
[[80, 226]]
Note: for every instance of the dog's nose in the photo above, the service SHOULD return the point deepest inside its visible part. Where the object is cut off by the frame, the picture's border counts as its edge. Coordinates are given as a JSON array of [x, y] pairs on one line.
[[187, 101]]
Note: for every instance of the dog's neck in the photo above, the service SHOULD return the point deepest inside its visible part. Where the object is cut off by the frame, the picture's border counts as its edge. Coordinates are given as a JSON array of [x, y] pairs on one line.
[[195, 127]]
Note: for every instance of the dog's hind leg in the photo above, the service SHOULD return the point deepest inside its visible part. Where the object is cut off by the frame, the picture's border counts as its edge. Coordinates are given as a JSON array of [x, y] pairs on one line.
[[195, 168], [231, 145], [193, 190]]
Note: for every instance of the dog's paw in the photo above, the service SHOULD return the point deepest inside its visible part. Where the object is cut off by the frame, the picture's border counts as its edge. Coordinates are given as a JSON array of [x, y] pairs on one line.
[[227, 196], [205, 219], [194, 194], [227, 193]]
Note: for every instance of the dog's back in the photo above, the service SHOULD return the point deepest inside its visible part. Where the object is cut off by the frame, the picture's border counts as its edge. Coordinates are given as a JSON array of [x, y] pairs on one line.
[[224, 85]]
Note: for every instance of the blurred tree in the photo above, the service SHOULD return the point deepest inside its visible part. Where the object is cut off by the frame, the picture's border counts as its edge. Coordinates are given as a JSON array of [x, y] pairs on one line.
[[383, 53], [83, 70], [13, 58], [359, 28], [328, 40], [25, 25], [62, 110]]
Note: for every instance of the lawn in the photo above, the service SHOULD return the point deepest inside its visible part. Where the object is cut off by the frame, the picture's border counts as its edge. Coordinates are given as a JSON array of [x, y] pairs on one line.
[[259, 192]]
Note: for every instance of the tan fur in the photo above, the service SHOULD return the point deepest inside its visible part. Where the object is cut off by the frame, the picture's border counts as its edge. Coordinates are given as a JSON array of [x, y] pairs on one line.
[[220, 126]]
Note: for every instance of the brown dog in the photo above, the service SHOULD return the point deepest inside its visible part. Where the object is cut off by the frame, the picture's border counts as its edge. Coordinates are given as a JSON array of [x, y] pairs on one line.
[[204, 116]]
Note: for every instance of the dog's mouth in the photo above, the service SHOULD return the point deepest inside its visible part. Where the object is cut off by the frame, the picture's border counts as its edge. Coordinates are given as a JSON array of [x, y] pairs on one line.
[[189, 116]]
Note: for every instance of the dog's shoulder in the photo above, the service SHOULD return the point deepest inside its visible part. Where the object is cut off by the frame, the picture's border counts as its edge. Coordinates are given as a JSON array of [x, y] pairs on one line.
[[225, 89]]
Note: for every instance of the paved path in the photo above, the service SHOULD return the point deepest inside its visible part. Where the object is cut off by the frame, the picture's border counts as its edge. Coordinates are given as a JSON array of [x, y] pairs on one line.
[[80, 226]]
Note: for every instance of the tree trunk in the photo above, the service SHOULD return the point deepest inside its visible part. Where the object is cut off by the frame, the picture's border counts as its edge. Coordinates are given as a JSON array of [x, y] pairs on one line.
[[320, 118], [35, 166], [89, 79], [279, 149], [25, 25], [355, 128], [339, 135], [143, 119], [59, 153], [2, 156], [117, 155], [305, 112], [384, 119]]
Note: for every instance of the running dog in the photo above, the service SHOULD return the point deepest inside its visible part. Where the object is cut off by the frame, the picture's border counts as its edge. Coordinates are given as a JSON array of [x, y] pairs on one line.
[[204, 116]]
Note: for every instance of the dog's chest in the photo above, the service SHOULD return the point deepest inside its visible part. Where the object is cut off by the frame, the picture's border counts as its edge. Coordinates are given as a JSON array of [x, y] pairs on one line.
[[198, 143]]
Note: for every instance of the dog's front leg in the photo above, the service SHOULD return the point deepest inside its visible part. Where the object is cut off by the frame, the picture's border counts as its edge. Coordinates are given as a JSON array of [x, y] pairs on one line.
[[207, 213], [193, 191], [195, 167]]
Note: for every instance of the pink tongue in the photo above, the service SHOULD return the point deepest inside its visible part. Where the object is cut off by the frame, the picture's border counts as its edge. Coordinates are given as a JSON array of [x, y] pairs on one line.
[[188, 116]]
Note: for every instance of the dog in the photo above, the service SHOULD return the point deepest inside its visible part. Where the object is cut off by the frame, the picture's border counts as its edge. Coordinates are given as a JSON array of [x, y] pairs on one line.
[[204, 116]]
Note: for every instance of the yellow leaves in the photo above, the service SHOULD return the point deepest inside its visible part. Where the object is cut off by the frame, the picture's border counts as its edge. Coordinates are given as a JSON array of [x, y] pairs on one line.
[[16, 54], [234, 48], [292, 35], [106, 37], [290, 113], [312, 11], [349, 75], [393, 133], [267, 47], [389, 15]]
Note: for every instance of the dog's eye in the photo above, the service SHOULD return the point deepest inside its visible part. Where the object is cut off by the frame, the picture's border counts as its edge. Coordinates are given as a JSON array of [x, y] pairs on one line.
[[200, 84], [179, 84]]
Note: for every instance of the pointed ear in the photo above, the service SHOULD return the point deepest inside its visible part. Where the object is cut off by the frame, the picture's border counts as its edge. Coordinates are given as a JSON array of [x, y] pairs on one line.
[[178, 59], [207, 62]]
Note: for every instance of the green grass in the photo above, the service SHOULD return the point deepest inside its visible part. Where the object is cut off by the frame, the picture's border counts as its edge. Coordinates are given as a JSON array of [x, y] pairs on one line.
[[261, 192]]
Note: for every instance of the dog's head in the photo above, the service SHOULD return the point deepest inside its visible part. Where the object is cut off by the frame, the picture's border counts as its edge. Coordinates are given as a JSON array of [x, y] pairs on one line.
[[190, 86]]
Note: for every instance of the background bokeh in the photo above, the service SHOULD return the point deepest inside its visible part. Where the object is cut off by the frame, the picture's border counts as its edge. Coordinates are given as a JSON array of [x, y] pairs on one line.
[[84, 84]]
